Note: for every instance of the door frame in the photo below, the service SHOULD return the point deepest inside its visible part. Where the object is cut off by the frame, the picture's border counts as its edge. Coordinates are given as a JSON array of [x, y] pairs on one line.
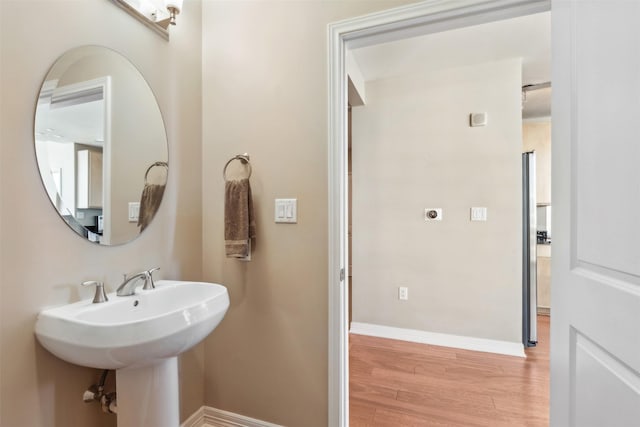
[[426, 17]]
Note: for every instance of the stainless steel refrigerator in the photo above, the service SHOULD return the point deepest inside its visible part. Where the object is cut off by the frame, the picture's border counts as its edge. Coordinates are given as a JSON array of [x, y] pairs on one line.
[[529, 251]]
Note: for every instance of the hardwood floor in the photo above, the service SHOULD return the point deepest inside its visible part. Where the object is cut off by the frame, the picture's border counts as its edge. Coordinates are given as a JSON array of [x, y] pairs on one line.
[[397, 383]]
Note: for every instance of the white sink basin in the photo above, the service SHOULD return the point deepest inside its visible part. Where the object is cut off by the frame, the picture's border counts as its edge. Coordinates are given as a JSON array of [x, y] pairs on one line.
[[133, 330]]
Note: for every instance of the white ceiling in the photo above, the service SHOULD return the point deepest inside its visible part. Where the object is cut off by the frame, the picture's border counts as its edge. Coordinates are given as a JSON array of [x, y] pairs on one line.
[[528, 37], [81, 123], [537, 104]]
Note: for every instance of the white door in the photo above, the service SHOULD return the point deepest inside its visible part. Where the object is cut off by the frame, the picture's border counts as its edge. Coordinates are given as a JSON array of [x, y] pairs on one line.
[[595, 332]]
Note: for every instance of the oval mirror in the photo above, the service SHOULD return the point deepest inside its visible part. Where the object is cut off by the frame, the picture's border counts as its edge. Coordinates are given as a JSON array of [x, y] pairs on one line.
[[101, 145]]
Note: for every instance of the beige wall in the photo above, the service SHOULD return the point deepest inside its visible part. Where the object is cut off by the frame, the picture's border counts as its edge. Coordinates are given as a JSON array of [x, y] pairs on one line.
[[43, 262], [536, 136], [413, 149], [265, 93]]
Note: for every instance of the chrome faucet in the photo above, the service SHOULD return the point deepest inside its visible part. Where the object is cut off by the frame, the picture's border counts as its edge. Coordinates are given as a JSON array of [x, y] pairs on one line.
[[128, 286], [150, 284], [100, 296]]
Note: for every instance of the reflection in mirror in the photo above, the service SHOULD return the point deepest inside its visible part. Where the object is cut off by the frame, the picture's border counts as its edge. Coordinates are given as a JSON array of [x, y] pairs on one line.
[[101, 145], [544, 224]]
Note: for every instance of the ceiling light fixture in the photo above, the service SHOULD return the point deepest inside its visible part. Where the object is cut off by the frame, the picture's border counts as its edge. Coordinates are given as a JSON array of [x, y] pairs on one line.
[[158, 15]]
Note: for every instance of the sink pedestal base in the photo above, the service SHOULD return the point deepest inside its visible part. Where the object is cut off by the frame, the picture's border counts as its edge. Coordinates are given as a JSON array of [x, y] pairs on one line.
[[148, 396]]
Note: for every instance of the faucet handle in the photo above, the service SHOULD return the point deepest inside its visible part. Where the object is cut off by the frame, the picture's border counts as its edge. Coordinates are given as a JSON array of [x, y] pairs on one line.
[[99, 296], [149, 284]]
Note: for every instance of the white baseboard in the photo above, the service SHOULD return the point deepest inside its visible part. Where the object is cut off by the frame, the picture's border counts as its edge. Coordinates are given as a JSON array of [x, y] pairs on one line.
[[207, 416], [444, 340]]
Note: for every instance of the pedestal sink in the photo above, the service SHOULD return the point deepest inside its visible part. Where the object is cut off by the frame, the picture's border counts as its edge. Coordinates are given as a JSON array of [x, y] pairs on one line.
[[140, 336]]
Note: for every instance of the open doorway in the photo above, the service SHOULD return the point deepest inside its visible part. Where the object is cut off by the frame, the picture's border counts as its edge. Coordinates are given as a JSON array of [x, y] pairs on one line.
[[390, 251], [536, 137]]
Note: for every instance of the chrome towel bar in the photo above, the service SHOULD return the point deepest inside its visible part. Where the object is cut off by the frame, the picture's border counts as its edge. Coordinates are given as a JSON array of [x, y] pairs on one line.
[[243, 158]]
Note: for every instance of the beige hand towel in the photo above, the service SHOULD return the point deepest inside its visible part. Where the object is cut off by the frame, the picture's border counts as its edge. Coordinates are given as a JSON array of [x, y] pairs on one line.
[[239, 222], [149, 204]]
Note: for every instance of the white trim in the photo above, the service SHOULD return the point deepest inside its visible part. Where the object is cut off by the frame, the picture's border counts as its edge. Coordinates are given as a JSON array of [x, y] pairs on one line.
[[196, 419], [207, 416], [443, 340], [338, 361], [421, 18], [545, 119], [107, 164]]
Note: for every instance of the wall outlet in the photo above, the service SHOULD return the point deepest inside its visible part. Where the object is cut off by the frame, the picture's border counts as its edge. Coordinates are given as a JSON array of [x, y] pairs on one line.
[[403, 293]]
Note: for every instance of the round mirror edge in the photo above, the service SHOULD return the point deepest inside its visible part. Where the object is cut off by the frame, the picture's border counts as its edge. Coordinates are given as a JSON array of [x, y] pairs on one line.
[[35, 148], [167, 151]]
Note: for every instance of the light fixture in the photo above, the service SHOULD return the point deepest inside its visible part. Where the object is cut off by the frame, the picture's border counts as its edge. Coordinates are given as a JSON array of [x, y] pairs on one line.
[[174, 7], [155, 14]]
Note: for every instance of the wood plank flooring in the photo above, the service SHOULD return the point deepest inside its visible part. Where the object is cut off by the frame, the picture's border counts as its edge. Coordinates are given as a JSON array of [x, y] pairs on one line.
[[397, 383]]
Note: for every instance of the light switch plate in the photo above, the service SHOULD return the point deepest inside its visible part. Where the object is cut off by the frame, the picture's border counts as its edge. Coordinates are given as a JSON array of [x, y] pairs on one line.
[[478, 214], [286, 211], [134, 211]]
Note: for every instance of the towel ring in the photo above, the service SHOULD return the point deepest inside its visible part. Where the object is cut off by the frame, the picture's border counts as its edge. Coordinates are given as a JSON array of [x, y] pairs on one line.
[[244, 159], [163, 164]]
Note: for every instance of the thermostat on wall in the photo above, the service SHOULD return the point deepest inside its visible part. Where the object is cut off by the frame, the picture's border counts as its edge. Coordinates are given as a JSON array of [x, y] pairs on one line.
[[478, 119]]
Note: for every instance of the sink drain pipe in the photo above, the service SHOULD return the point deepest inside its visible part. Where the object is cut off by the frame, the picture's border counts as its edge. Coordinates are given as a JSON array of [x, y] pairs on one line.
[[96, 393]]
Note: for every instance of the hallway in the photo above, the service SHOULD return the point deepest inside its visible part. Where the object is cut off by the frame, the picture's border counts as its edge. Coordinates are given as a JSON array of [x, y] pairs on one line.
[[396, 383]]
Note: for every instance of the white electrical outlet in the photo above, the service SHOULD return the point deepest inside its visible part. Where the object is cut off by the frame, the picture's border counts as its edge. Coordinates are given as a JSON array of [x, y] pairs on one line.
[[403, 293]]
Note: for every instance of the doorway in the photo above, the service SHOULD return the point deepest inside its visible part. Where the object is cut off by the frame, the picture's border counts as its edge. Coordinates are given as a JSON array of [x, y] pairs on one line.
[[341, 35]]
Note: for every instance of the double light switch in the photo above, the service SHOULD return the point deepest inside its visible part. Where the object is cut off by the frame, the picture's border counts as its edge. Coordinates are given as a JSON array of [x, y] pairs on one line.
[[286, 211], [478, 214]]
